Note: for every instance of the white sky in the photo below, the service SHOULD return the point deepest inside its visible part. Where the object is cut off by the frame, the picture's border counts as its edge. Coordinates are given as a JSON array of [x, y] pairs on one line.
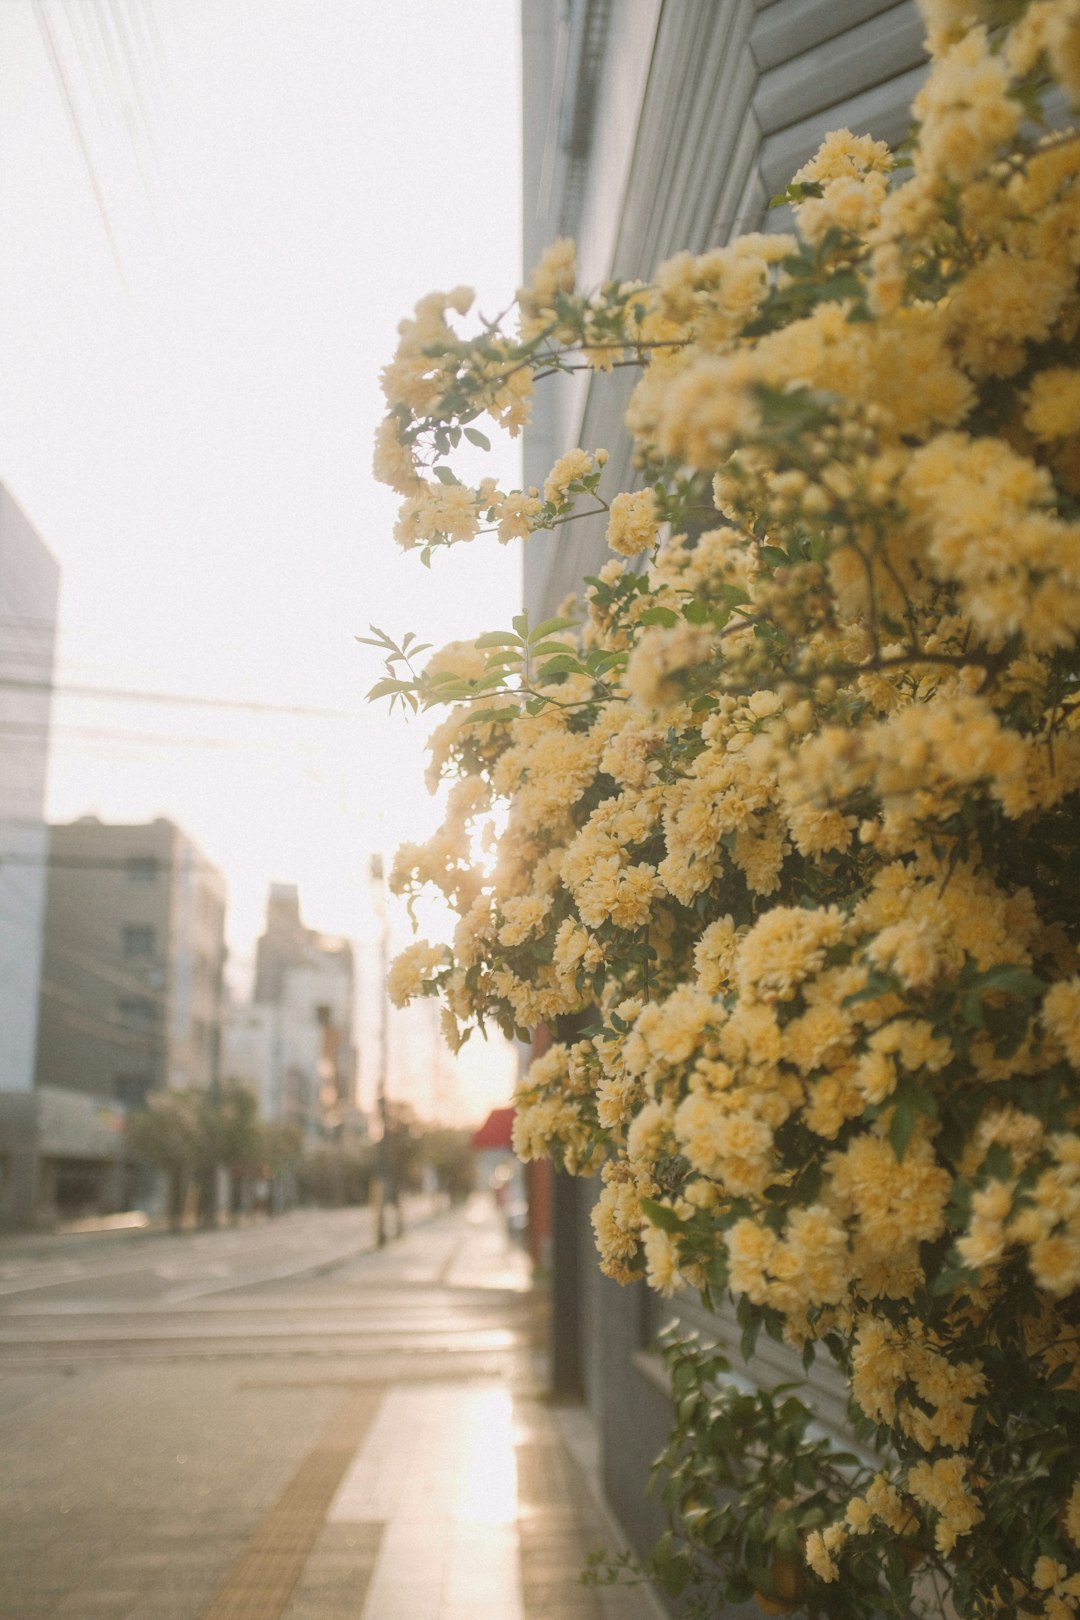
[[187, 415]]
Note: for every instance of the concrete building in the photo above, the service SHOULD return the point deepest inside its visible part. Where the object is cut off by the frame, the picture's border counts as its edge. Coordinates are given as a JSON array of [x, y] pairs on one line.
[[29, 581], [294, 1044], [129, 1003], [652, 127]]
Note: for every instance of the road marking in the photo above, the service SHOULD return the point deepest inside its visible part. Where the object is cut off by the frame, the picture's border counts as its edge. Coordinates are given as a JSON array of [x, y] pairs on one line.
[[262, 1579], [308, 1268]]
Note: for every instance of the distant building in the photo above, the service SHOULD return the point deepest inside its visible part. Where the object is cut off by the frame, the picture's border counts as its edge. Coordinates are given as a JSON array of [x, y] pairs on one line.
[[129, 1003], [134, 958], [29, 582], [294, 1044]]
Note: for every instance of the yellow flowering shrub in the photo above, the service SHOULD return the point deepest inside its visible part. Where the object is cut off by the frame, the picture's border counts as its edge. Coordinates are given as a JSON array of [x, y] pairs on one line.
[[777, 827]]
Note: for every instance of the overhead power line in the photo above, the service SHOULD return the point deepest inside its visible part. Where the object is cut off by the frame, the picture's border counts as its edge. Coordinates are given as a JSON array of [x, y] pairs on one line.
[[184, 700], [31, 734], [67, 97], [103, 863]]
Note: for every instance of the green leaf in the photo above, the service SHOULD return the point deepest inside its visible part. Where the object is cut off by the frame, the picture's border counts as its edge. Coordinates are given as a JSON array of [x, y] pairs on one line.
[[520, 622], [445, 476], [598, 663], [498, 638], [546, 649], [971, 1009], [551, 627], [474, 436], [498, 716], [748, 1340], [659, 615], [671, 1564], [387, 686], [379, 638], [564, 664], [902, 1125], [661, 1215], [1018, 981]]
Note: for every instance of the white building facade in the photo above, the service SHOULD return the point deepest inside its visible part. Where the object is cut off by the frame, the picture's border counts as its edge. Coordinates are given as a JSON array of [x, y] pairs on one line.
[[29, 584], [29, 588], [294, 1044]]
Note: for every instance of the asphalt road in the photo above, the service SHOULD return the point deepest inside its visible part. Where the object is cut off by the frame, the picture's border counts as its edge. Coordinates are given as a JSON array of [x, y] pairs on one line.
[[154, 1266], [311, 1283]]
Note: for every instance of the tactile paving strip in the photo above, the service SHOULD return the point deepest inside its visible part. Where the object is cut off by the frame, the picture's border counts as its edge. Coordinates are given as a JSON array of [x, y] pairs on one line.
[[261, 1581]]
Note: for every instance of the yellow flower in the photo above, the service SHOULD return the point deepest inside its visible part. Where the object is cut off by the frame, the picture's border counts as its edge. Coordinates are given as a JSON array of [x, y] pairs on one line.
[[895, 1202], [554, 274], [750, 1250], [570, 468], [413, 968], [523, 916], [843, 155], [661, 1265], [1071, 1515], [1055, 1263], [1061, 1015], [1048, 1572], [632, 526], [821, 1545], [787, 945], [965, 109], [394, 462], [660, 657], [942, 1485], [1053, 403], [514, 514], [714, 955]]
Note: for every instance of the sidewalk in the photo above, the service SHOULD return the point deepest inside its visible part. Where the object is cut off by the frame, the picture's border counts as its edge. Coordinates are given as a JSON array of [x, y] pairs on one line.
[[403, 1464], [466, 1498]]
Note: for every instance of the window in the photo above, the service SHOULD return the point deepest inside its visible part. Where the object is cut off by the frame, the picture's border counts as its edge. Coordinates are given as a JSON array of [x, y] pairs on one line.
[[139, 1012], [132, 1089], [139, 940], [142, 868]]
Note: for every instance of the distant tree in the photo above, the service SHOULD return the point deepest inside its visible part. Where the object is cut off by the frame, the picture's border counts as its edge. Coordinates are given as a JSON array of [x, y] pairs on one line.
[[230, 1135], [280, 1147], [280, 1144], [450, 1155], [337, 1174], [167, 1133]]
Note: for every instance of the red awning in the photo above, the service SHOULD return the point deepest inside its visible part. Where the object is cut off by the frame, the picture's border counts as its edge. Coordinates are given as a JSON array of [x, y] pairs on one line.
[[495, 1131]]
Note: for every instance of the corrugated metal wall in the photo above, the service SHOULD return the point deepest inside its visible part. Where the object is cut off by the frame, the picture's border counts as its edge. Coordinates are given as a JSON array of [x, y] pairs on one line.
[[735, 97]]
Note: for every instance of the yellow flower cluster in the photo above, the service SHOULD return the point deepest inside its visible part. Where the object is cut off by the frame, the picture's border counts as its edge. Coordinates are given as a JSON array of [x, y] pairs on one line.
[[790, 838], [632, 524]]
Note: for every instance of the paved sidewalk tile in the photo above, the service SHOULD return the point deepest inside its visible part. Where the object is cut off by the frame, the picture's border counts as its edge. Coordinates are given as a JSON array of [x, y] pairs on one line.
[[430, 1483], [438, 1470]]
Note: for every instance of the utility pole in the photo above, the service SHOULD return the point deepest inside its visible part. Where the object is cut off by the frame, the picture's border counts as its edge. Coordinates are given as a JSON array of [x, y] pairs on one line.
[[384, 1190]]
